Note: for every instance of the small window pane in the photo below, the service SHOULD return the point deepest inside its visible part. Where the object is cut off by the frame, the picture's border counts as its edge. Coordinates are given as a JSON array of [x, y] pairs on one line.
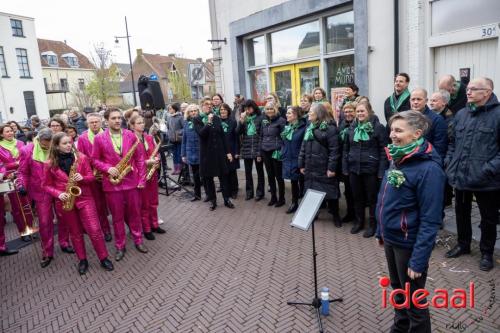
[[258, 82], [3, 66], [22, 61], [340, 71], [256, 51], [297, 42], [340, 32], [17, 27]]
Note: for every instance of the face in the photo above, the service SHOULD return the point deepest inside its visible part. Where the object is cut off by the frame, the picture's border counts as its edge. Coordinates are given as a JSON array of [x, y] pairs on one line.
[[270, 98], [312, 116], [94, 123], [446, 85], [318, 95], [8, 133], [139, 125], [45, 144], [402, 134], [71, 132], [223, 113], [478, 92], [349, 114], [171, 110], [436, 102], [115, 120], [400, 84], [216, 101], [14, 127], [349, 92], [206, 106], [270, 112], [249, 110], [193, 113], [291, 116], [35, 123], [65, 145], [304, 104], [362, 113], [418, 100], [55, 127]]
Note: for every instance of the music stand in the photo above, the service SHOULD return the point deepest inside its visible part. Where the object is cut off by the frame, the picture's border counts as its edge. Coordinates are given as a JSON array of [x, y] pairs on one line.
[[304, 218]]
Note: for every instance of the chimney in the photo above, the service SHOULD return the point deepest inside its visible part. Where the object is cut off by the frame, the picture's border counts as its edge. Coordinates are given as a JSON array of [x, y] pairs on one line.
[[139, 53], [199, 59], [65, 42], [171, 55]]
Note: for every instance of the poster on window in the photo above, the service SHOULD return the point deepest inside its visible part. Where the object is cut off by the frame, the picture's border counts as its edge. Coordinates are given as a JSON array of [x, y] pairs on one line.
[[259, 85], [338, 95]]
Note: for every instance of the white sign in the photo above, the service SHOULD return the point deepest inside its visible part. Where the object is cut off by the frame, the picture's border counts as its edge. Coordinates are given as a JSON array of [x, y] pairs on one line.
[[196, 74], [308, 208]]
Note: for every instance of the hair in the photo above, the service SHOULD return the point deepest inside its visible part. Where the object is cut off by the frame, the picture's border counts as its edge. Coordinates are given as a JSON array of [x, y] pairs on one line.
[[220, 96], [59, 121], [35, 117], [329, 109], [360, 99], [2, 127], [133, 120], [110, 110], [350, 105], [189, 108], [54, 148], [368, 107], [445, 95], [94, 114], [274, 107], [323, 92], [415, 119], [19, 128], [45, 134], [175, 106], [226, 107], [321, 111], [127, 114], [184, 105], [420, 89], [307, 97], [205, 99], [72, 128], [406, 76], [250, 103], [276, 99], [489, 82], [448, 78], [353, 87], [297, 110]]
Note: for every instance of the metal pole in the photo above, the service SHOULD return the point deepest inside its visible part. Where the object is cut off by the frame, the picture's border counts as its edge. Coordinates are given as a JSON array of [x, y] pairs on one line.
[[130, 61]]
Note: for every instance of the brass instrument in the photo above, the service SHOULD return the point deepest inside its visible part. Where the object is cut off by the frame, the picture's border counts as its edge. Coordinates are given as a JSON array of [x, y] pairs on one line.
[[97, 175], [124, 166], [71, 189], [152, 168]]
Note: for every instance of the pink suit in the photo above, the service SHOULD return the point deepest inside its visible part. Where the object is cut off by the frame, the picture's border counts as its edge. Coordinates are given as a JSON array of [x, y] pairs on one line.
[[85, 146], [2, 216], [84, 215], [123, 198], [149, 207], [21, 207]]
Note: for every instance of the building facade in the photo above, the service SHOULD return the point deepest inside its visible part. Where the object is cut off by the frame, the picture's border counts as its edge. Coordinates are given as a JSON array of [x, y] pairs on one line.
[[22, 93], [292, 46]]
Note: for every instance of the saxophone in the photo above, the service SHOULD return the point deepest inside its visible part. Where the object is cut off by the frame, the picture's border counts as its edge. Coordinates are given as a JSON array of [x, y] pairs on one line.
[[124, 166], [71, 189], [152, 168]]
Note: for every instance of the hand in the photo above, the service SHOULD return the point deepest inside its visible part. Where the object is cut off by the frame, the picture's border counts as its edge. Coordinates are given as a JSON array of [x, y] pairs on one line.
[[77, 177], [113, 172], [330, 174], [184, 159], [150, 162], [243, 115], [10, 176], [413, 275], [210, 117], [140, 186], [236, 156], [230, 157], [380, 242], [259, 159], [63, 196], [302, 170]]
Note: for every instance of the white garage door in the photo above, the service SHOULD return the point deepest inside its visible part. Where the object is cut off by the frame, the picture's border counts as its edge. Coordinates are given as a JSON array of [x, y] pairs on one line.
[[480, 57]]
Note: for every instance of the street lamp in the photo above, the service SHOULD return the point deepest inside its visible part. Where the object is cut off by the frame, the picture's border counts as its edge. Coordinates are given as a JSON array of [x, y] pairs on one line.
[[129, 57]]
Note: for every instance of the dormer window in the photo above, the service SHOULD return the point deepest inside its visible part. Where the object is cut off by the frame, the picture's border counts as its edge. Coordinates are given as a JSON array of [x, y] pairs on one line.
[[70, 59], [51, 58]]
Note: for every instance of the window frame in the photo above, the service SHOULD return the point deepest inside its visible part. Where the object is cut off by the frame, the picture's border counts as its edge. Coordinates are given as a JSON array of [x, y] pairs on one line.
[[23, 66], [17, 31], [3, 64]]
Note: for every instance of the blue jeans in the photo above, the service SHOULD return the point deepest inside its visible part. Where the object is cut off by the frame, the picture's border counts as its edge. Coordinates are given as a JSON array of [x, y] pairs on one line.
[[176, 153]]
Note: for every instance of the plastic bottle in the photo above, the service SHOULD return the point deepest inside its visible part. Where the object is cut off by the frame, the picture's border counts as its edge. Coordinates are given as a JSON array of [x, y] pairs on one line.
[[325, 304]]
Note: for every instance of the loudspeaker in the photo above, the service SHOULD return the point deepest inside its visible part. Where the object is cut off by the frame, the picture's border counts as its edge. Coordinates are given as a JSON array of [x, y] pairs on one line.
[[150, 94]]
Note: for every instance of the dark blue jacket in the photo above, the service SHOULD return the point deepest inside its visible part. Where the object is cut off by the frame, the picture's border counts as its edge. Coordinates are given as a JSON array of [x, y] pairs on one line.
[[270, 135], [190, 145], [79, 123], [473, 159], [437, 134], [291, 150], [410, 216]]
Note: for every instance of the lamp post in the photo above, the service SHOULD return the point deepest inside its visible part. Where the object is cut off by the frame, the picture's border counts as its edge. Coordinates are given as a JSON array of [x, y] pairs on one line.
[[129, 57]]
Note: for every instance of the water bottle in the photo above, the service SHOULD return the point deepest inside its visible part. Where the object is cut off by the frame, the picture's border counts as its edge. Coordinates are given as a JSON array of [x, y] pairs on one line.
[[325, 304]]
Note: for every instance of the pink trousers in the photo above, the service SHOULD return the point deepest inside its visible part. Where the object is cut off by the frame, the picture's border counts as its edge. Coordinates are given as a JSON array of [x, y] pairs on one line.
[[21, 211], [149, 207], [2, 224], [46, 225], [102, 209]]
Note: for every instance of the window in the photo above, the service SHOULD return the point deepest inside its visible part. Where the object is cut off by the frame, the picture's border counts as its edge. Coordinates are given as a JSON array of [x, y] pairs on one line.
[[81, 84], [3, 65], [51, 58], [340, 71], [296, 42], [17, 27], [340, 32], [64, 84], [22, 61], [256, 51], [71, 59]]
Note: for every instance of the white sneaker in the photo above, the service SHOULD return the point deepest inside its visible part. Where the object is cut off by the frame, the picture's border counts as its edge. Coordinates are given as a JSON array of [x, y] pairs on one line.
[[160, 221]]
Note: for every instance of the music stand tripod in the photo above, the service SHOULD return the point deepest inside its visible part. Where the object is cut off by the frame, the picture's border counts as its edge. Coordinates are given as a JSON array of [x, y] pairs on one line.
[[165, 178]]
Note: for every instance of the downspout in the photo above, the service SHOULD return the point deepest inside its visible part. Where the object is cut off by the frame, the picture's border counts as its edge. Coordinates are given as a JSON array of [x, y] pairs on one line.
[[396, 37]]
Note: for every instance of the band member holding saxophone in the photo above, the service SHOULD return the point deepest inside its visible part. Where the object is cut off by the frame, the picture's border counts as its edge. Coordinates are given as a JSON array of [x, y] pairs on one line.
[[68, 177], [116, 156], [4, 251], [85, 143], [149, 195]]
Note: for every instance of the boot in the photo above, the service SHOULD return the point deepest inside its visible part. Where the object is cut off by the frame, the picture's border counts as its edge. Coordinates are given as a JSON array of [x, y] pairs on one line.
[[357, 227], [293, 207], [83, 266], [371, 229], [349, 217], [149, 236], [107, 264], [273, 200], [337, 221]]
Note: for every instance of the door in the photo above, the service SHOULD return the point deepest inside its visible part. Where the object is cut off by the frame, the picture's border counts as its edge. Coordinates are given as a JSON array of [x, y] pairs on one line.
[[29, 101], [306, 78], [283, 84]]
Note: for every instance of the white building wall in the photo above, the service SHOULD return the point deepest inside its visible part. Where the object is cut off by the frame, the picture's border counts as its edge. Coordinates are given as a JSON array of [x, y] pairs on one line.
[[12, 88], [54, 75]]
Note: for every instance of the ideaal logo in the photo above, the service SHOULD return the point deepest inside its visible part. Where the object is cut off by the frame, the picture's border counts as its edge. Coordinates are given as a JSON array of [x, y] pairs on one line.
[[460, 298]]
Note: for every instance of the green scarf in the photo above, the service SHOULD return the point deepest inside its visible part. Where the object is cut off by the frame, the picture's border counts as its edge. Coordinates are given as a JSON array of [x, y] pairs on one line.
[[276, 155], [472, 106], [362, 131], [343, 133], [310, 130], [457, 88], [395, 106], [117, 140], [204, 117], [216, 110], [225, 126], [190, 124], [398, 152], [323, 100], [11, 146], [91, 135], [287, 133], [251, 129], [39, 154]]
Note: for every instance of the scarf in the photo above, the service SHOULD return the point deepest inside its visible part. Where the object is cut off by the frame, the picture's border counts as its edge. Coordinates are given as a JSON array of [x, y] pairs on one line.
[[65, 160], [204, 117], [216, 110], [287, 133], [343, 133], [91, 135], [472, 106], [190, 124], [323, 100], [117, 140], [39, 154], [11, 146], [276, 155], [398, 152], [362, 131], [225, 126], [251, 129], [310, 130], [395, 105]]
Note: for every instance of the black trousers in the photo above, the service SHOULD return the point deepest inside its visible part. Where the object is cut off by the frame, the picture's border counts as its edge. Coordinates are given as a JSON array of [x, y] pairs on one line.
[[488, 203], [295, 191], [301, 185], [349, 197], [210, 187], [259, 166], [195, 169], [412, 320], [274, 169], [233, 182], [364, 189]]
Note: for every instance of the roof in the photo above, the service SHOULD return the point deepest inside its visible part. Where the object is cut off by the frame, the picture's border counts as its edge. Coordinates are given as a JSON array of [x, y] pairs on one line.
[[60, 49], [162, 65], [123, 68], [126, 87]]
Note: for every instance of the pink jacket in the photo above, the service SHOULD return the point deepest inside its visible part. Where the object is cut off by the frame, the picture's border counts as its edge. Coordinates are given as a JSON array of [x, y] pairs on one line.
[[7, 159], [84, 144], [30, 173], [105, 157]]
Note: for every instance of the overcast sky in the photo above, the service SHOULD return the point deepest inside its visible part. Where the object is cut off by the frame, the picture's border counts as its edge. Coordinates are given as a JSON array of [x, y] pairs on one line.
[[165, 26]]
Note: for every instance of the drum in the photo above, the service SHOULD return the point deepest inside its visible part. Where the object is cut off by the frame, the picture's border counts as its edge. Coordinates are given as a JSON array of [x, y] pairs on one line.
[[7, 186]]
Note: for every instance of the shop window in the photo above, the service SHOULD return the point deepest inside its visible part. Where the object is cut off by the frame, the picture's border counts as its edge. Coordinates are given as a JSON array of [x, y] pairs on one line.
[[256, 51], [296, 42], [340, 71], [340, 32]]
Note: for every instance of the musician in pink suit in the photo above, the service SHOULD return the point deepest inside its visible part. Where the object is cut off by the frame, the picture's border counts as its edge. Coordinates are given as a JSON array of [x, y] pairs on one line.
[[9, 156], [4, 251], [85, 143], [110, 147], [149, 195], [83, 216]]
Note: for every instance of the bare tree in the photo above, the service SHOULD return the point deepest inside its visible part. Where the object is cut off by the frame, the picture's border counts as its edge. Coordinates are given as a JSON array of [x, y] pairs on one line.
[[106, 81]]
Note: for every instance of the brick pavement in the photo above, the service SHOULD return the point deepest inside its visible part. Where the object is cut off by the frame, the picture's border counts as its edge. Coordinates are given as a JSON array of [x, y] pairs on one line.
[[228, 271]]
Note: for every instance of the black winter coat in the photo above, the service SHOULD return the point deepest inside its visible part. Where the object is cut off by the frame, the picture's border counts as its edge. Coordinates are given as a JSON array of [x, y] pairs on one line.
[[460, 101], [365, 157], [232, 142], [270, 135], [388, 111], [250, 145], [213, 149], [290, 152], [318, 156]]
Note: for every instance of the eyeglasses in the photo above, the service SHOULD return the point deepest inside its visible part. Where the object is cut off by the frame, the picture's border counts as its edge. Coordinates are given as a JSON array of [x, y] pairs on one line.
[[475, 89]]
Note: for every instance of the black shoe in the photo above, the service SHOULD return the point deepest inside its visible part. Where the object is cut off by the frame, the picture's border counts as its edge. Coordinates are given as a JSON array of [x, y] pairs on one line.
[[337, 222], [141, 248], [7, 252], [46, 261], [68, 249], [357, 228], [213, 205], [159, 230], [83, 266], [149, 236], [259, 198], [486, 263], [26, 238], [369, 232], [228, 204], [206, 199], [249, 196], [108, 238], [119, 254], [107, 264], [272, 202], [457, 251], [234, 196], [292, 208], [195, 198], [280, 203], [348, 218]]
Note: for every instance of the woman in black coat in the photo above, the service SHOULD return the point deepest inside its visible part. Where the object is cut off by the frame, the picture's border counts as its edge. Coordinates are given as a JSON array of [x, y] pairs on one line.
[[249, 129], [364, 161], [319, 157], [270, 147], [230, 128], [214, 155]]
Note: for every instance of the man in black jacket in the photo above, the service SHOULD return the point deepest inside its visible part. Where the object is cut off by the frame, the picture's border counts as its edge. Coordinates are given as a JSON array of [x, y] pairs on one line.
[[458, 97], [400, 99], [473, 168]]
